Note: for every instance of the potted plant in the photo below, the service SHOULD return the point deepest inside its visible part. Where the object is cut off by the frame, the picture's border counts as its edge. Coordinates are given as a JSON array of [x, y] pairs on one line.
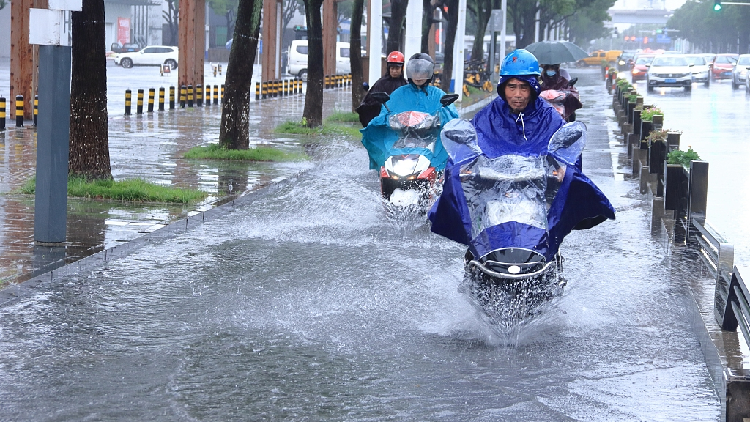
[[647, 115]]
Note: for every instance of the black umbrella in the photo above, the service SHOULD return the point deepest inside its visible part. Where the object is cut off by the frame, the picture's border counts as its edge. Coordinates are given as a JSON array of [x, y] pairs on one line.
[[555, 52]]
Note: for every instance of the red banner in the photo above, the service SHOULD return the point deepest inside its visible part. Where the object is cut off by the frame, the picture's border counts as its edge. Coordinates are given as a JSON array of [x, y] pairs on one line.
[[123, 30]]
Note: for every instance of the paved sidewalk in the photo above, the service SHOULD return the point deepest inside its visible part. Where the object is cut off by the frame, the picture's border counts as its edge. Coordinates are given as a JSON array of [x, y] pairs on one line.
[[149, 146]]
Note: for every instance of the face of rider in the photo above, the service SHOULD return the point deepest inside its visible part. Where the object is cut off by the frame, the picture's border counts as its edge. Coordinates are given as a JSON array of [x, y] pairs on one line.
[[419, 82], [551, 69], [517, 95], [395, 71]]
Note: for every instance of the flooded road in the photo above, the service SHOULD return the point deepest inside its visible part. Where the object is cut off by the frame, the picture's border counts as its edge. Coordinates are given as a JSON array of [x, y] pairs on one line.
[[306, 302]]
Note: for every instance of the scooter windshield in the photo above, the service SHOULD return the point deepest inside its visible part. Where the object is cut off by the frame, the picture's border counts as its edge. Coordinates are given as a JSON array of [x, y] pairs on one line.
[[509, 188], [415, 130]]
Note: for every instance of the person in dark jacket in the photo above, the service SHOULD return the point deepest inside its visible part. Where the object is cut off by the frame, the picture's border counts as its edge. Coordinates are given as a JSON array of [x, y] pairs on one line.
[[553, 78], [394, 78]]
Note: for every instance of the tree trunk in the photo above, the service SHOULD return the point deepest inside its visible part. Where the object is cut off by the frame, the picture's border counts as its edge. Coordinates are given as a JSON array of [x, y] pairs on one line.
[[313, 112], [396, 26], [89, 128], [355, 59], [450, 40], [427, 11], [484, 10], [235, 113]]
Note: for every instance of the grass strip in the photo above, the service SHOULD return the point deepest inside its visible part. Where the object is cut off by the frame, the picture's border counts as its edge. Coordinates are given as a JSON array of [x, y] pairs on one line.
[[328, 129], [131, 190], [342, 117], [216, 152]]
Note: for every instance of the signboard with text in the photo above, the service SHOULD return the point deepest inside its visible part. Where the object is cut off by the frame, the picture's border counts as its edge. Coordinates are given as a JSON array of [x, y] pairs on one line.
[[123, 30]]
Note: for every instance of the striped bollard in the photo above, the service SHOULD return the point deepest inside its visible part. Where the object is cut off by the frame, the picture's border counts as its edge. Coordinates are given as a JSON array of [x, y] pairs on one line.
[[151, 95], [199, 95], [190, 96], [19, 110], [257, 91], [128, 96], [171, 97], [161, 98], [36, 108], [183, 96], [208, 95], [216, 94], [2, 113], [139, 104], [222, 91]]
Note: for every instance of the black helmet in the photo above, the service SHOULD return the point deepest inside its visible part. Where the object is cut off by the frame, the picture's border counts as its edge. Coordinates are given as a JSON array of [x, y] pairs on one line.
[[420, 66]]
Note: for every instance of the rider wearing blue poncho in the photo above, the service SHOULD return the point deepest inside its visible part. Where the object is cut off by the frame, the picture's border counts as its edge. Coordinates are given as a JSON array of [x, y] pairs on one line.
[[519, 122], [417, 95]]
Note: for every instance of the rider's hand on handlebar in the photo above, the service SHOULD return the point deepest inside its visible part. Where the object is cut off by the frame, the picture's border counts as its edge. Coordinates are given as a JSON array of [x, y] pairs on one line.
[[559, 173]]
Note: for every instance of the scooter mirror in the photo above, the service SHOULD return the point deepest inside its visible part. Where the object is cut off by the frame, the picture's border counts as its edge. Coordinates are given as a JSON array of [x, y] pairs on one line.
[[381, 97], [572, 82], [365, 86], [448, 99]]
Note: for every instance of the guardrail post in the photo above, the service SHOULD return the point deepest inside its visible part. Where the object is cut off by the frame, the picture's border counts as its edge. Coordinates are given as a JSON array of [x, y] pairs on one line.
[[19, 110], [698, 186], [2, 113], [139, 104], [151, 95], [128, 97]]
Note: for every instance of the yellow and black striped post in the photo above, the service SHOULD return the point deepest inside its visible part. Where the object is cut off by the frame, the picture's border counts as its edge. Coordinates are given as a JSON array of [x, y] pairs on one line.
[[208, 95], [222, 93], [19, 110], [128, 96], [190, 95], [151, 95], [183, 96], [220, 72], [216, 94], [171, 97], [257, 91], [274, 92], [199, 95], [139, 105], [36, 108], [161, 98], [2, 113], [263, 90], [299, 86]]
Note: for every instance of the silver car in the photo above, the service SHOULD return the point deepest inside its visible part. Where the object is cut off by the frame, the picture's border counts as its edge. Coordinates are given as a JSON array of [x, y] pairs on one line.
[[152, 55], [669, 70], [701, 68], [739, 72]]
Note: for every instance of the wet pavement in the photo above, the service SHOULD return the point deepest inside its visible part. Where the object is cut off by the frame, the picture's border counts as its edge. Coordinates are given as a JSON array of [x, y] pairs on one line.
[[149, 146], [306, 301]]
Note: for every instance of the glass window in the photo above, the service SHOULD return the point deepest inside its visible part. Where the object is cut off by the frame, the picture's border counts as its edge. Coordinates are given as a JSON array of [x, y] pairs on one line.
[[344, 51], [302, 49]]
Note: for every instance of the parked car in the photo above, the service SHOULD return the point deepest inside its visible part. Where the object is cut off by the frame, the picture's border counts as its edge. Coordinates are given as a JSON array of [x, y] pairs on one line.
[[152, 55], [297, 64], [625, 61], [701, 70], [595, 59], [125, 48], [739, 72], [672, 70], [723, 64], [640, 67]]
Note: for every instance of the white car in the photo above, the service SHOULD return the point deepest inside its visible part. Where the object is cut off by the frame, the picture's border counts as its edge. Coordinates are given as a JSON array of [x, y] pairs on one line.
[[740, 70], [671, 70], [701, 68], [152, 55], [297, 59]]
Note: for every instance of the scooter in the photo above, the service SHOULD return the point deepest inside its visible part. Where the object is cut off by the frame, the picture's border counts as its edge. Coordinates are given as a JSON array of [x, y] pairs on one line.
[[511, 211], [558, 98], [408, 178], [611, 77]]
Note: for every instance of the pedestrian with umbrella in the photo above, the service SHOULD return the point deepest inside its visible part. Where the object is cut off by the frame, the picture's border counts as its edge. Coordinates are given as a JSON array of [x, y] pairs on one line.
[[557, 87]]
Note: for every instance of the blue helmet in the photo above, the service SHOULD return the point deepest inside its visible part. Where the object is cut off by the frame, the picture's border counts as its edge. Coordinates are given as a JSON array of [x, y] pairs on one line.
[[522, 65], [520, 62]]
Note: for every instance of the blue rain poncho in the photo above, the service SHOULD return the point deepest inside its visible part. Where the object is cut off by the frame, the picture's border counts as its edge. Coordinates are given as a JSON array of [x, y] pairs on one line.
[[498, 140], [378, 138]]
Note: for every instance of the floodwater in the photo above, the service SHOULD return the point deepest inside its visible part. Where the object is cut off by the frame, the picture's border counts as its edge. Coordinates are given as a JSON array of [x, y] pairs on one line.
[[306, 302]]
